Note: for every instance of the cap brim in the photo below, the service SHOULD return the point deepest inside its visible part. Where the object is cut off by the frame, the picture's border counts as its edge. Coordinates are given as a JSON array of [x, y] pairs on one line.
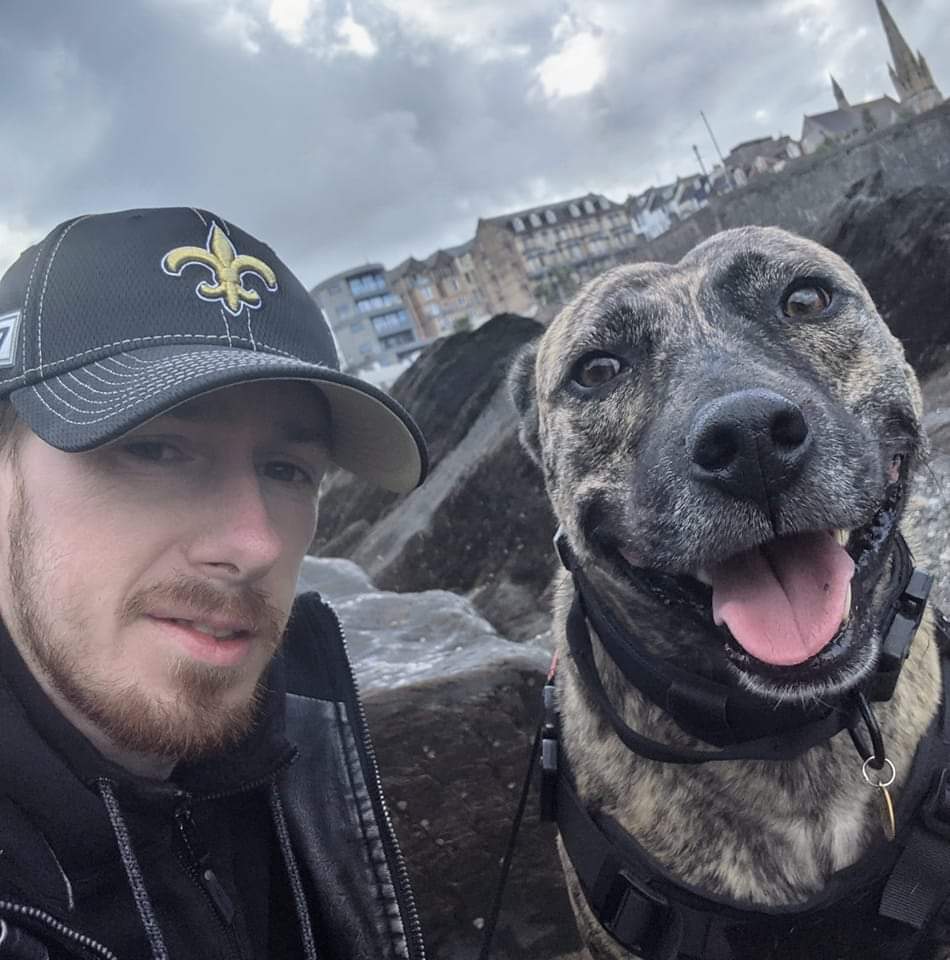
[[372, 436]]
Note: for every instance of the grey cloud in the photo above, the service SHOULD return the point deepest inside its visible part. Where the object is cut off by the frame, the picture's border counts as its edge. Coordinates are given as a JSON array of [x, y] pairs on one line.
[[337, 159]]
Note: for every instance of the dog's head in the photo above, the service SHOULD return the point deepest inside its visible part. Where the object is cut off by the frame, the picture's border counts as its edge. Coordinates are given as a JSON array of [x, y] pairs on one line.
[[736, 430]]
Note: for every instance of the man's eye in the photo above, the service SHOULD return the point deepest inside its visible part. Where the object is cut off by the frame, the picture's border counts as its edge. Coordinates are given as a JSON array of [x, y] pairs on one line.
[[156, 451], [288, 473]]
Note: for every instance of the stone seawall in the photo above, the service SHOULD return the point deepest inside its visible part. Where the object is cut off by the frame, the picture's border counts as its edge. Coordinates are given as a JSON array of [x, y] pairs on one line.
[[799, 198]]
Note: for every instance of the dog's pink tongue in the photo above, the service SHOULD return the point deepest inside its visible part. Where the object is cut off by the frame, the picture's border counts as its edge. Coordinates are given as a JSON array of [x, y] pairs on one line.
[[783, 602]]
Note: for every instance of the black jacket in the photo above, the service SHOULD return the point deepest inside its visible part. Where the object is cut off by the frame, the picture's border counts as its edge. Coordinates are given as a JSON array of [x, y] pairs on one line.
[[282, 847]]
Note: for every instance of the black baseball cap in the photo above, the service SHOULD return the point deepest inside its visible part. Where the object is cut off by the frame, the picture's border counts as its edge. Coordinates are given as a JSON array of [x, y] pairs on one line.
[[116, 318]]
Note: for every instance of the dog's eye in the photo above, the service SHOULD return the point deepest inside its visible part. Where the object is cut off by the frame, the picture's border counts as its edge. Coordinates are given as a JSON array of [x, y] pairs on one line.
[[596, 369], [806, 301]]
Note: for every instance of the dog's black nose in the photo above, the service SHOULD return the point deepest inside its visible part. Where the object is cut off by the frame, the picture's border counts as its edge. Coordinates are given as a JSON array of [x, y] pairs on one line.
[[751, 444]]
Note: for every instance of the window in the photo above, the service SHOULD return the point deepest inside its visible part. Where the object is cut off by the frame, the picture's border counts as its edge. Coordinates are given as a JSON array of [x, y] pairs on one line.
[[550, 216], [367, 283], [425, 293], [575, 210], [535, 220], [433, 309], [356, 326], [604, 203], [389, 322], [518, 224], [366, 348], [452, 284], [343, 310], [369, 304], [397, 339], [588, 206]]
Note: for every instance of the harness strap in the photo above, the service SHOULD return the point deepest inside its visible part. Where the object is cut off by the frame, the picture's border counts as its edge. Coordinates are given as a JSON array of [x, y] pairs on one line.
[[905, 886], [918, 888], [637, 916]]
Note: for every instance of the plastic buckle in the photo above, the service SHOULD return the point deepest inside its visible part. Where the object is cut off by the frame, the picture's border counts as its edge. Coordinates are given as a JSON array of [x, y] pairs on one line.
[[908, 612], [549, 736], [936, 808], [633, 914]]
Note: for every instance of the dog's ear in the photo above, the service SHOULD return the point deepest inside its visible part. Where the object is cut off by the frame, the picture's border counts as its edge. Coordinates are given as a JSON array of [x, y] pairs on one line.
[[524, 395]]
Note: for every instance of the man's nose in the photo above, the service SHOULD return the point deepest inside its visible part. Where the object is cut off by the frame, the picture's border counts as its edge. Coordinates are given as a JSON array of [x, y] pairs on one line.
[[237, 537]]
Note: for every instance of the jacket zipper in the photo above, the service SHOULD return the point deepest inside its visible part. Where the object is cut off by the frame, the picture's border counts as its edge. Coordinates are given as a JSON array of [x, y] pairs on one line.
[[403, 888], [199, 867], [58, 928]]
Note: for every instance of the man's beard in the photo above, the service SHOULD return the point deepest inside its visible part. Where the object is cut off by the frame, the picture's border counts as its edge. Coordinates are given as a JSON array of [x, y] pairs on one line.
[[198, 722]]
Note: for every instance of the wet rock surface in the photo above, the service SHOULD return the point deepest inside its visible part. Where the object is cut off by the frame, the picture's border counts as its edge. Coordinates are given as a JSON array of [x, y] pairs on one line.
[[928, 512], [453, 708]]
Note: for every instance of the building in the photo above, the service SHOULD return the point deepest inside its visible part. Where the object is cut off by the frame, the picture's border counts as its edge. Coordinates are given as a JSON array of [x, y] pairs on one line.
[[915, 87], [441, 292], [658, 208], [847, 122], [910, 75], [543, 254], [762, 155], [370, 322]]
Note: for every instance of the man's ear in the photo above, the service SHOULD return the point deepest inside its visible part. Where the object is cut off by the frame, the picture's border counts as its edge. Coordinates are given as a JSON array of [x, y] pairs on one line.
[[524, 395]]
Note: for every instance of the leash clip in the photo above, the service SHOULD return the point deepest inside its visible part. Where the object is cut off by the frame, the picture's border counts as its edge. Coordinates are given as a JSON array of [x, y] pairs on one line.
[[549, 752]]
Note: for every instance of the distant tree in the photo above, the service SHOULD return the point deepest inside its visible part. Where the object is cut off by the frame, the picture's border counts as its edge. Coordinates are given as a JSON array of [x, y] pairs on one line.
[[462, 324]]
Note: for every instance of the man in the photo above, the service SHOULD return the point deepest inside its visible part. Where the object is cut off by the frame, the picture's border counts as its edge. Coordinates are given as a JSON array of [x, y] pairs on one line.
[[185, 769]]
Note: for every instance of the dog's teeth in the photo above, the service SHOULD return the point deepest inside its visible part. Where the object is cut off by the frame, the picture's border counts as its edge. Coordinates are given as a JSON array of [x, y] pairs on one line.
[[841, 536], [846, 612]]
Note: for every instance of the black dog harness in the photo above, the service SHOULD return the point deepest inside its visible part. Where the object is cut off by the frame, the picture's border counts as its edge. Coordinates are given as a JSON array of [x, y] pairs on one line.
[[888, 905]]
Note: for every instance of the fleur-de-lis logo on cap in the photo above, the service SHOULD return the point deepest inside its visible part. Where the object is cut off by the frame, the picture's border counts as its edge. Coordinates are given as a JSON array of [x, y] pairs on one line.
[[227, 267]]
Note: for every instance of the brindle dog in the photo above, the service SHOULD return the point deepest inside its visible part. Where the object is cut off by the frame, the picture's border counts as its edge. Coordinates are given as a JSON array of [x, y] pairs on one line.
[[712, 432]]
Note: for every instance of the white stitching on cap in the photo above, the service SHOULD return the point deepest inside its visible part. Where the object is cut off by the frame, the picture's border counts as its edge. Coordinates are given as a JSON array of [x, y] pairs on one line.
[[134, 401], [26, 302], [170, 336], [49, 267], [250, 332], [135, 390], [197, 213], [227, 328]]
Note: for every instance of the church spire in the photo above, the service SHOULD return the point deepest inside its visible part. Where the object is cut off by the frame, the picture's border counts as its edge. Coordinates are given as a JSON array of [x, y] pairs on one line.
[[909, 74], [840, 98]]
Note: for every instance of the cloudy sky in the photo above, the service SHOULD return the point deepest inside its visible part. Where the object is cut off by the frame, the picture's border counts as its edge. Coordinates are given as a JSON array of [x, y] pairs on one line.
[[341, 131]]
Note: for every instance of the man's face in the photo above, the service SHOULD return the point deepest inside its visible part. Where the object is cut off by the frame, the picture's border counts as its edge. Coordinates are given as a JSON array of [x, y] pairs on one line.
[[148, 583]]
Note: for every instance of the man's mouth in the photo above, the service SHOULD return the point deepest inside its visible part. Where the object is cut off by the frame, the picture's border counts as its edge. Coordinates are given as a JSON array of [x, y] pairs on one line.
[[227, 633], [220, 645]]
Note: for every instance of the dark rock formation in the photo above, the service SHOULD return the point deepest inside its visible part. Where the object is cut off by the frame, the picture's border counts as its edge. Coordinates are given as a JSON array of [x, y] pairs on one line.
[[445, 390], [899, 245], [481, 524], [453, 756]]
